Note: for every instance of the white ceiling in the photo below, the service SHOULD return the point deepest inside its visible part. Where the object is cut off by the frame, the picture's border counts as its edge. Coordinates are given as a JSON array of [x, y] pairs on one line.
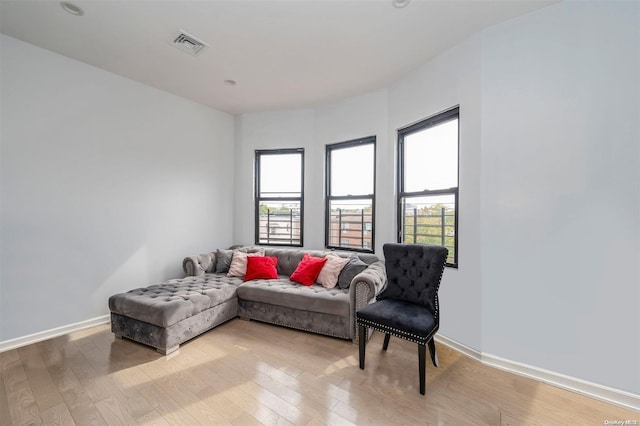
[[283, 54]]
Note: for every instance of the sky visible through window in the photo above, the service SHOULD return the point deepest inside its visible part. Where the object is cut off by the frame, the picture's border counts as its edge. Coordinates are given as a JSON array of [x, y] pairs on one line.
[[352, 170], [431, 162], [431, 158], [280, 175]]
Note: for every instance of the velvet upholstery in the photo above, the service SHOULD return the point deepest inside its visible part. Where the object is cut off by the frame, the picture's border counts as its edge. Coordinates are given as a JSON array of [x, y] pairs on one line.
[[300, 319], [413, 273], [168, 339], [403, 319], [167, 314], [350, 270], [223, 261], [408, 305], [286, 293], [174, 300]]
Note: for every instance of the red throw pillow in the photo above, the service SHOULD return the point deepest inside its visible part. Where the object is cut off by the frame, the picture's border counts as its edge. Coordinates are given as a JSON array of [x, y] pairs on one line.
[[308, 270], [261, 267]]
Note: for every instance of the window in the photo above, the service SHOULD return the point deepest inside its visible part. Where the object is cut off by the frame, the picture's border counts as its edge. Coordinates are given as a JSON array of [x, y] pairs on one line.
[[350, 195], [428, 182], [279, 196]]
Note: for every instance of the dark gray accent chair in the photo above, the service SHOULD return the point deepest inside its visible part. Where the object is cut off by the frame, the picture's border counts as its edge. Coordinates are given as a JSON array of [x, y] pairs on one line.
[[408, 306]]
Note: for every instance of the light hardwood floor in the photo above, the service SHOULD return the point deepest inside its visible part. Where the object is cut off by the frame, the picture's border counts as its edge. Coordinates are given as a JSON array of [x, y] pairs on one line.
[[249, 373]]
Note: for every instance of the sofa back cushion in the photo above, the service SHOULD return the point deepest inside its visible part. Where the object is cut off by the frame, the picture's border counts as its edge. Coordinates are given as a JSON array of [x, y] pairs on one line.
[[288, 259]]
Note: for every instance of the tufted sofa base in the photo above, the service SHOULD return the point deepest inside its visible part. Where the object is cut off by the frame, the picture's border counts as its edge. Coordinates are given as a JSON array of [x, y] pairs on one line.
[[300, 319], [168, 339]]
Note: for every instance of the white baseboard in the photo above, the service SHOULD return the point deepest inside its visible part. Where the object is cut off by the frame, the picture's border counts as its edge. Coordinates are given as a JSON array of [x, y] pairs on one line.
[[455, 345], [593, 390], [18, 342]]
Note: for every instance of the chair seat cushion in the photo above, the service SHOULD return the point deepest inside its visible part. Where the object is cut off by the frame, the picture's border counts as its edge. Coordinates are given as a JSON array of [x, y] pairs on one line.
[[402, 319]]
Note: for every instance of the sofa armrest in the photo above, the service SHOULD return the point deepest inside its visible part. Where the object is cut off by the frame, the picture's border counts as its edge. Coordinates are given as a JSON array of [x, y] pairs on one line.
[[364, 288], [199, 264]]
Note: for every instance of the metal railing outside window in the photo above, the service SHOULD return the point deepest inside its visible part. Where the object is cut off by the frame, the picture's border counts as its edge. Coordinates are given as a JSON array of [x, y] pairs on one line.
[[350, 195], [351, 228], [427, 211], [279, 197], [279, 226]]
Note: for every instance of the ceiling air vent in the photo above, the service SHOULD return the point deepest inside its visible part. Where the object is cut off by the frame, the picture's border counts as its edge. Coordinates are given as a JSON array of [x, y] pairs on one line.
[[189, 43]]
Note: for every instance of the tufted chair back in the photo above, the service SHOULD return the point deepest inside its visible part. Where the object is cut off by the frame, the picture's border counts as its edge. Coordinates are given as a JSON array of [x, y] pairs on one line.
[[414, 272]]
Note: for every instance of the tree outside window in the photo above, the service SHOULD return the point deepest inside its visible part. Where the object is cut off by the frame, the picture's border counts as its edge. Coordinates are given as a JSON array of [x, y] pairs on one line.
[[428, 182]]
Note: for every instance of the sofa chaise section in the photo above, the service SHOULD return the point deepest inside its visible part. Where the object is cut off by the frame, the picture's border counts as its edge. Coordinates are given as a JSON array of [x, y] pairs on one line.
[[165, 315]]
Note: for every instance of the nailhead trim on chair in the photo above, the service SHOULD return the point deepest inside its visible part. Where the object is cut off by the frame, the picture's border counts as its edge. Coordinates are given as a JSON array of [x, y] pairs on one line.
[[398, 333]]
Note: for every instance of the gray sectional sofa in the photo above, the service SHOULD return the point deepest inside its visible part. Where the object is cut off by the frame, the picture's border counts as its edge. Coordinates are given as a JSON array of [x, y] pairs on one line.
[[165, 315]]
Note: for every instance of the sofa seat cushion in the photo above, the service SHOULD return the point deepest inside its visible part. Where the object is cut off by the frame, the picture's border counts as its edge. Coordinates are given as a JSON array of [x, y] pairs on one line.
[[283, 292], [174, 300]]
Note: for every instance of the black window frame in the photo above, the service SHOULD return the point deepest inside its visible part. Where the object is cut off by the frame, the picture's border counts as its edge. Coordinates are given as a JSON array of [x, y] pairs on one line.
[[329, 148], [258, 199], [432, 121]]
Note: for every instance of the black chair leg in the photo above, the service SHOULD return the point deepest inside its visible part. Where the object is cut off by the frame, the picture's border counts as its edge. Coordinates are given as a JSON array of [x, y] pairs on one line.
[[422, 355], [432, 351], [362, 343], [385, 345]]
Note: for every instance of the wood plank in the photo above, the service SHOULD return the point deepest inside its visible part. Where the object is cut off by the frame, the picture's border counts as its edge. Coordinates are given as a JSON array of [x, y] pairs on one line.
[[45, 392], [114, 411], [249, 373], [56, 354], [170, 410], [20, 399], [58, 415], [94, 372], [152, 418], [81, 408], [5, 415], [22, 406]]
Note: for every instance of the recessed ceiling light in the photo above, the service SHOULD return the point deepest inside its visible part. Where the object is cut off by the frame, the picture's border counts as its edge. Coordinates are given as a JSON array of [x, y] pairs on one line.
[[230, 82], [71, 8], [400, 3]]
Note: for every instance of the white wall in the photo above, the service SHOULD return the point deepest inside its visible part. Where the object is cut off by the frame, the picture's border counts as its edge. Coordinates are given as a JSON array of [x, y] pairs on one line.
[[560, 206], [311, 129], [549, 149], [106, 185], [354, 118], [271, 130], [453, 78]]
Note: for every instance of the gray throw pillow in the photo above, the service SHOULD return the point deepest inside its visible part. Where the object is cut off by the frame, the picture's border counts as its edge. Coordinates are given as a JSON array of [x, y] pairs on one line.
[[223, 260], [350, 270]]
